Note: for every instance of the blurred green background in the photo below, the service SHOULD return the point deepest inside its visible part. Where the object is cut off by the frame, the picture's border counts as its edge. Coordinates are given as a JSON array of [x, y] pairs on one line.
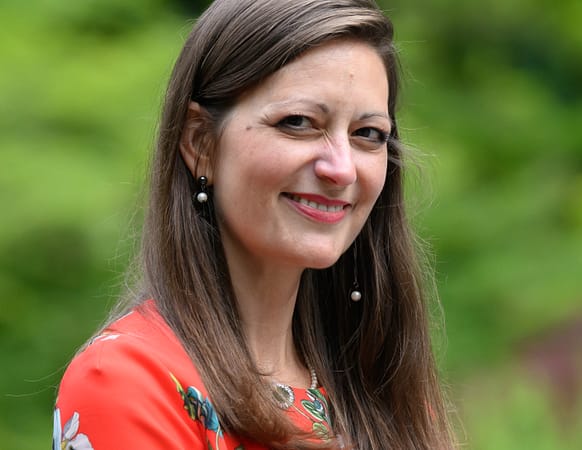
[[492, 103]]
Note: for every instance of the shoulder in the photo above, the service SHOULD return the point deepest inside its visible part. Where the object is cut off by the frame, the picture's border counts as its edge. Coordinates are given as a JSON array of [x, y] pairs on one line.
[[138, 352], [122, 389]]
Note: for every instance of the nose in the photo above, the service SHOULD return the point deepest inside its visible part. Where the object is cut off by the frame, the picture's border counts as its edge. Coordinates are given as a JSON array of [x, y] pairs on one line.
[[335, 163]]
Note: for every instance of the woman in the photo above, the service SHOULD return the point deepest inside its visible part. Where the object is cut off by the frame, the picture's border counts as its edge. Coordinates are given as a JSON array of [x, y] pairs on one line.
[[281, 305]]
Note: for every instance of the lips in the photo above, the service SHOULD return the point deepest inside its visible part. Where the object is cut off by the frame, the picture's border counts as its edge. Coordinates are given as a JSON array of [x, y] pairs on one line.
[[314, 204], [317, 207]]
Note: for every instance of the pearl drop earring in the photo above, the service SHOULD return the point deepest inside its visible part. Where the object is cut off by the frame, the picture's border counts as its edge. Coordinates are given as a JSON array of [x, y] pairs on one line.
[[202, 196], [355, 293]]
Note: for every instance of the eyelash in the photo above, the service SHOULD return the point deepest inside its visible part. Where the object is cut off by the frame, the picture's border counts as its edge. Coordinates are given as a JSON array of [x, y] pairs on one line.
[[383, 136], [285, 122]]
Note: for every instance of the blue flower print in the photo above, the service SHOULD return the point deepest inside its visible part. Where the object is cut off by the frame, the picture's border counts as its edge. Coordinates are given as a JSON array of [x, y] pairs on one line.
[[198, 408]]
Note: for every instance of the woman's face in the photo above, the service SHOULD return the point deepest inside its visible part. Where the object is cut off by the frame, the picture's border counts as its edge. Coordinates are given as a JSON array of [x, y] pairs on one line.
[[302, 159]]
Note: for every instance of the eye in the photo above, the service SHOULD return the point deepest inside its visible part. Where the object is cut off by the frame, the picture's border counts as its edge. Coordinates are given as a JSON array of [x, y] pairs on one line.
[[295, 122], [372, 134]]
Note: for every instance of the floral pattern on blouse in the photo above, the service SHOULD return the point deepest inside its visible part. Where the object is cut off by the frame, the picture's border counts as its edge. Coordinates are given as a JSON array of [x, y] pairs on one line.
[[90, 413], [69, 438], [198, 408], [318, 408], [202, 410], [314, 409]]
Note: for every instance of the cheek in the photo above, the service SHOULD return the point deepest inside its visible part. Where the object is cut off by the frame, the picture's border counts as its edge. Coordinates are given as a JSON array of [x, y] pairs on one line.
[[375, 177], [246, 178], [259, 181]]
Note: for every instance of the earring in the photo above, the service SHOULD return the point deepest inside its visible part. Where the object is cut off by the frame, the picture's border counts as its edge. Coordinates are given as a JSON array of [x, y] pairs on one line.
[[202, 196], [355, 293]]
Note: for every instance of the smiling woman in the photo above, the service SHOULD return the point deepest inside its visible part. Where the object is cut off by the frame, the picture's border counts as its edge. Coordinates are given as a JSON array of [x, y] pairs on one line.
[[280, 304], [296, 178]]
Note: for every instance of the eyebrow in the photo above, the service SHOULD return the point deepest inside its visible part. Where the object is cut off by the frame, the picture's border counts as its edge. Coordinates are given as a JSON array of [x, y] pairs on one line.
[[324, 108], [374, 114], [294, 101]]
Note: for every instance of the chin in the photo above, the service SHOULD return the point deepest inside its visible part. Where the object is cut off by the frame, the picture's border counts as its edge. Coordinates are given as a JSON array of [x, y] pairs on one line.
[[321, 260]]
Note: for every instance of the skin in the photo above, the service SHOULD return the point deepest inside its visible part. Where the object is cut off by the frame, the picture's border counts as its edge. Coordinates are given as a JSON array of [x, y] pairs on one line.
[[315, 130]]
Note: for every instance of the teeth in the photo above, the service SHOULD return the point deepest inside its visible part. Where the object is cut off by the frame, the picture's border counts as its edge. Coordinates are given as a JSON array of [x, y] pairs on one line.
[[315, 205]]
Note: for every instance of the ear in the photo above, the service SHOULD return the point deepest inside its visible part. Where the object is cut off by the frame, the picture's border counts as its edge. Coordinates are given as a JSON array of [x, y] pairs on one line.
[[196, 143]]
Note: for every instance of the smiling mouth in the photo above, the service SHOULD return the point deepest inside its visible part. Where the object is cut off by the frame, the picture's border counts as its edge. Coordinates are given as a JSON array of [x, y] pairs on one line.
[[315, 205]]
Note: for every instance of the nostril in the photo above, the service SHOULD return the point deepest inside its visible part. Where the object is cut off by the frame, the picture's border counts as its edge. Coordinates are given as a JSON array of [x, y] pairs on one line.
[[337, 171]]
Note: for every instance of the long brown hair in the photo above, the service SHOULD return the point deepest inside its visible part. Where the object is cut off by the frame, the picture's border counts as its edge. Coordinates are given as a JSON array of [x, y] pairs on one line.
[[373, 357]]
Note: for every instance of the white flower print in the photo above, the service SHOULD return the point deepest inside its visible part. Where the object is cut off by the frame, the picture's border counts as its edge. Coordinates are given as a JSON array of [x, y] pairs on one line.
[[69, 438]]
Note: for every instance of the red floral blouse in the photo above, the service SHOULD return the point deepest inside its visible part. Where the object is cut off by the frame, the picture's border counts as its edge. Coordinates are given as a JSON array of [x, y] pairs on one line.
[[134, 386]]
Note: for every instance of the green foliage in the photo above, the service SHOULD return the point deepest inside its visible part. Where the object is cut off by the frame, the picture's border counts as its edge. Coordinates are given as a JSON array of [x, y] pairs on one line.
[[507, 411], [493, 94], [491, 97], [77, 122]]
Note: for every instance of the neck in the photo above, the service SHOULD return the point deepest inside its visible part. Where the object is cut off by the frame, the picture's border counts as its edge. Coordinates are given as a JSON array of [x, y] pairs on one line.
[[266, 298]]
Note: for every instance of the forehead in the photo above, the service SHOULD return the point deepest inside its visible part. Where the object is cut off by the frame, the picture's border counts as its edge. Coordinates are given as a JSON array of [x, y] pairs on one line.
[[352, 69]]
